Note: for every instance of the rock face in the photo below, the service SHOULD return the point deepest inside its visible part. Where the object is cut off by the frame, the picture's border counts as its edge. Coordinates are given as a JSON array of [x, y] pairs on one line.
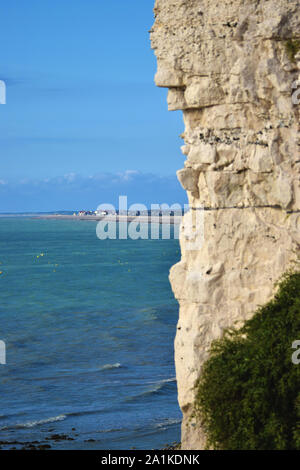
[[232, 68]]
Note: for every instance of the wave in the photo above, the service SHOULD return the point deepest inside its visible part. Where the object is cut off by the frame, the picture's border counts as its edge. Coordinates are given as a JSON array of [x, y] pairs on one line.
[[167, 422], [117, 365], [89, 412], [163, 381], [159, 387], [32, 424], [146, 429], [62, 375], [104, 431], [53, 419]]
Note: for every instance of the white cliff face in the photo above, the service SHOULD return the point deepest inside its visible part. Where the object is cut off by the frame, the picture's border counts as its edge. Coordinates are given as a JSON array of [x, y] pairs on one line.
[[228, 65]]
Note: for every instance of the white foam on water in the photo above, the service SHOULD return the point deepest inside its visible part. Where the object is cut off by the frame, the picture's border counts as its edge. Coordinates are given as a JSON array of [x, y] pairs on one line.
[[111, 366], [168, 422], [32, 424]]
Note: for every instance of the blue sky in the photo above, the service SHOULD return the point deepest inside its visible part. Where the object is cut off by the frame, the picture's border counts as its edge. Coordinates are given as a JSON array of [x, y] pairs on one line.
[[81, 101]]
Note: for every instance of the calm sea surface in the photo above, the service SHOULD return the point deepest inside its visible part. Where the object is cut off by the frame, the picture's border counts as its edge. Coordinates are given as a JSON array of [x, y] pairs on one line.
[[89, 328]]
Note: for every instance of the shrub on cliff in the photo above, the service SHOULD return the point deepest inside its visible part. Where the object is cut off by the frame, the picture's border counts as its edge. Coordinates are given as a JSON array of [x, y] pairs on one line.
[[248, 396], [292, 47]]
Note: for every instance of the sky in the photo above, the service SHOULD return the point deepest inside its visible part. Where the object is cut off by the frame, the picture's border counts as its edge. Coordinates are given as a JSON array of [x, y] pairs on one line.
[[83, 119]]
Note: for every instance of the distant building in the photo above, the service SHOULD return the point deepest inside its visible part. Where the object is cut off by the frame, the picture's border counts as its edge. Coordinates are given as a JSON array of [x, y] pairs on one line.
[[101, 212], [82, 213]]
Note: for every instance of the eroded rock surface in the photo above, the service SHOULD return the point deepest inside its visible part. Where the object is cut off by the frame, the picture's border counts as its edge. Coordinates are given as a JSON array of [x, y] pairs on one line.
[[232, 67]]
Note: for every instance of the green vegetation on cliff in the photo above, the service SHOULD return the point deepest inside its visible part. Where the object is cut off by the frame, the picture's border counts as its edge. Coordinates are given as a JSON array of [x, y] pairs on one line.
[[248, 396], [292, 46]]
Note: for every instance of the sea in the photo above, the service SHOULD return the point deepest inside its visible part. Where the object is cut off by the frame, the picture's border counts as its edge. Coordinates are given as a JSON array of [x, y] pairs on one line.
[[88, 327]]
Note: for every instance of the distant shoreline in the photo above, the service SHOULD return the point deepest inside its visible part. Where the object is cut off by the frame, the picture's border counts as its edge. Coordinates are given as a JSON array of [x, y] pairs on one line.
[[165, 219]]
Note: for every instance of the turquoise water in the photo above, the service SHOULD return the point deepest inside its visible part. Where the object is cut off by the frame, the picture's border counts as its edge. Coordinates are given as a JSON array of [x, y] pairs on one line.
[[89, 328]]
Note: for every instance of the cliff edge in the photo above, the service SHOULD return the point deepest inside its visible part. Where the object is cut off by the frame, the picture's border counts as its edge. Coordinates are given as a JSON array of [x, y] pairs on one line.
[[232, 67]]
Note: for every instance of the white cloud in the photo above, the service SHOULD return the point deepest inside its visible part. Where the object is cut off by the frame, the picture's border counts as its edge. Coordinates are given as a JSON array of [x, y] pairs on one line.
[[73, 191], [128, 174], [70, 177]]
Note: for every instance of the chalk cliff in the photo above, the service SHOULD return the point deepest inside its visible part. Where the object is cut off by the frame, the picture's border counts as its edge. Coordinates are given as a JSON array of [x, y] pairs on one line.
[[232, 67]]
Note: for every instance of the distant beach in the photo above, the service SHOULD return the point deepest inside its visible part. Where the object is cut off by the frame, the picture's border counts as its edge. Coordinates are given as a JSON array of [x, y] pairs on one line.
[[155, 219]]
